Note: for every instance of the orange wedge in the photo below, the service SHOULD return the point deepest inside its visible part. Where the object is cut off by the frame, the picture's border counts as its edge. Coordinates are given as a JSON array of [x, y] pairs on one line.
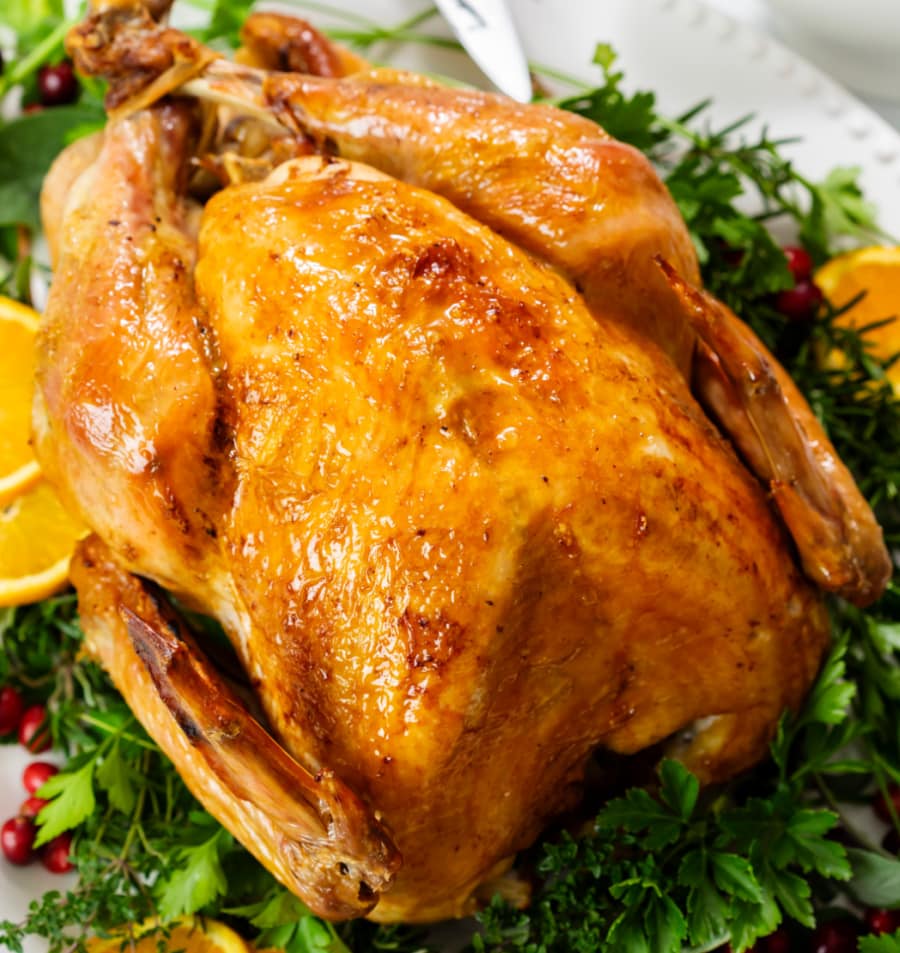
[[18, 468], [192, 935], [37, 535], [876, 271]]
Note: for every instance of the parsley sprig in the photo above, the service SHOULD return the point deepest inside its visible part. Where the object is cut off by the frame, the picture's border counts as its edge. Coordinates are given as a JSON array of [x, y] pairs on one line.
[[672, 868]]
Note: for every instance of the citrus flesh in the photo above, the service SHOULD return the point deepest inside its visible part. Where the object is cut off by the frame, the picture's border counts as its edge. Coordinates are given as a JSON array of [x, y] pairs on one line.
[[37, 536], [875, 271], [192, 935], [18, 467]]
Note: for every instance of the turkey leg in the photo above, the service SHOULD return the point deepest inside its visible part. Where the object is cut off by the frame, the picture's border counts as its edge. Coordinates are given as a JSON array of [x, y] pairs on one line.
[[302, 823], [759, 407]]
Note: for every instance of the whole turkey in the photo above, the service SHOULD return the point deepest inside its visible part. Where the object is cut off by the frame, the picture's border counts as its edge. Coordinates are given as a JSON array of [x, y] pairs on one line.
[[415, 390]]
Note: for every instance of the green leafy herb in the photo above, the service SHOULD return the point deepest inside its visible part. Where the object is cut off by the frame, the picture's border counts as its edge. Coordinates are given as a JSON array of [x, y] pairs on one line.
[[27, 147], [197, 878], [886, 943], [876, 879], [26, 16], [225, 22], [680, 873], [72, 803], [837, 207], [118, 780], [632, 119]]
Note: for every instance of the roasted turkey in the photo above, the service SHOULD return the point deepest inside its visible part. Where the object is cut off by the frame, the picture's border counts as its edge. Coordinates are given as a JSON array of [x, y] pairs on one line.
[[426, 407]]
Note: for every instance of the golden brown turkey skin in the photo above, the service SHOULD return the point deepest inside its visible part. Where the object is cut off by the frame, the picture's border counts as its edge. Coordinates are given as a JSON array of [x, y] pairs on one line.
[[552, 182], [460, 531], [477, 534], [560, 187], [125, 407]]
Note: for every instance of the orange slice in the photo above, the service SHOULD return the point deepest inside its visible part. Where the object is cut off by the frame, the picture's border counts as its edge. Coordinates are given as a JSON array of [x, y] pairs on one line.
[[18, 467], [876, 271], [37, 535], [192, 935]]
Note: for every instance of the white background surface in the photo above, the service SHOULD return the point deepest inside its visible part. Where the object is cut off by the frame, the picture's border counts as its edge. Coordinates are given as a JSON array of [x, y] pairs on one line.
[[760, 16], [684, 51]]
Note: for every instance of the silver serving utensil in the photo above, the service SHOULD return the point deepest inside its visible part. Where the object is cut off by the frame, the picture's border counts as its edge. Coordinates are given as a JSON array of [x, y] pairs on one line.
[[486, 30]]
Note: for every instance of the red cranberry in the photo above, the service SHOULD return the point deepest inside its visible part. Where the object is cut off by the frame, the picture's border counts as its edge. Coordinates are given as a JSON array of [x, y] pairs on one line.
[[57, 85], [882, 921], [801, 302], [881, 807], [777, 942], [37, 774], [734, 257], [836, 936], [32, 807], [10, 709], [17, 839], [799, 262], [55, 856], [32, 734]]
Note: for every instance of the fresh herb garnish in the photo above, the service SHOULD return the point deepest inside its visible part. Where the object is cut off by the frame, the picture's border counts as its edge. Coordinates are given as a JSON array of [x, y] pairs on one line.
[[143, 845], [27, 147], [669, 869], [880, 944]]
